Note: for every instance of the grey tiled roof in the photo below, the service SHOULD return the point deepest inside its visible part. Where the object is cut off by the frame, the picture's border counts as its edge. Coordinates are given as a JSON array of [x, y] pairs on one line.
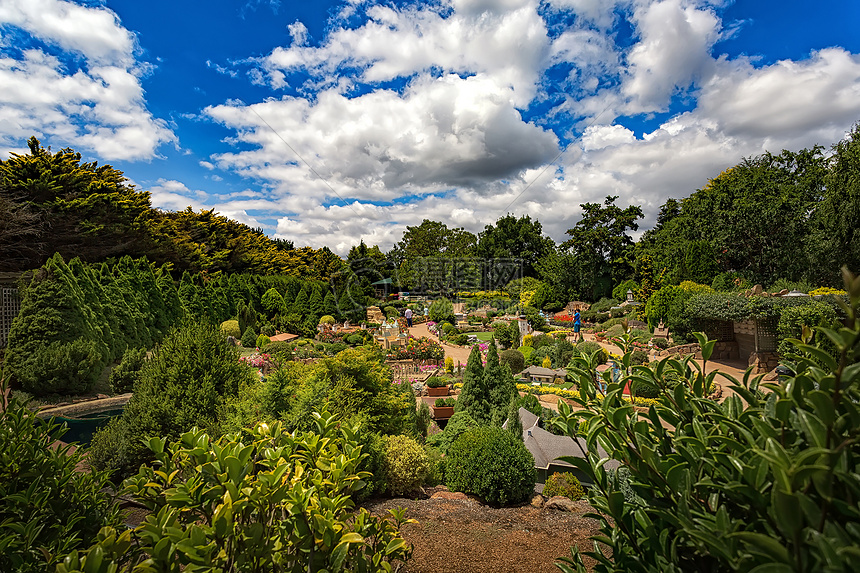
[[546, 447]]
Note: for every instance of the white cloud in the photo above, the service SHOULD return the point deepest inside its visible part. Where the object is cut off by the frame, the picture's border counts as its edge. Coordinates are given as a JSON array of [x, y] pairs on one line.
[[298, 32], [100, 106]]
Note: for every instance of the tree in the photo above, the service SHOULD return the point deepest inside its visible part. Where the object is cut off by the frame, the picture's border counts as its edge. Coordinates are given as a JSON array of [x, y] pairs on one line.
[[427, 254], [602, 247], [835, 237], [473, 395], [518, 239], [515, 423]]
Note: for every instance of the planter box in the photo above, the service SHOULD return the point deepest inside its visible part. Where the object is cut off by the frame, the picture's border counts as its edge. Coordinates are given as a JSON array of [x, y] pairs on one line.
[[443, 412], [441, 391]]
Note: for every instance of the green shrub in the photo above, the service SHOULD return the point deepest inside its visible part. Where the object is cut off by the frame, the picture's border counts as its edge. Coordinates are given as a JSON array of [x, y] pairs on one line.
[[660, 343], [639, 357], [281, 348], [423, 419], [47, 507], [406, 464], [355, 339], [620, 291], [127, 372], [493, 464], [441, 310], [443, 402], [249, 338], [604, 304], [461, 339], [792, 320], [181, 386], [607, 324], [231, 328], [514, 359], [261, 341], [588, 347], [326, 319], [435, 467], [268, 330], [337, 347], [309, 521], [456, 426], [373, 445], [436, 382], [563, 484]]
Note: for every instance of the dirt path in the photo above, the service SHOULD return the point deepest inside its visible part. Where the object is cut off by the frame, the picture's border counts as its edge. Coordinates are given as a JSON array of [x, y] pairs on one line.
[[456, 353], [463, 535]]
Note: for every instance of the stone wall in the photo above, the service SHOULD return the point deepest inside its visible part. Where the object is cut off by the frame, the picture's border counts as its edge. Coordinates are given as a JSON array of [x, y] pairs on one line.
[[725, 350], [763, 362]]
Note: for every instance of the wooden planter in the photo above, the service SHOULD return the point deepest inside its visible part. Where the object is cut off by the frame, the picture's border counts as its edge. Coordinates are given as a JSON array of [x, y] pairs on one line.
[[443, 412], [440, 391]]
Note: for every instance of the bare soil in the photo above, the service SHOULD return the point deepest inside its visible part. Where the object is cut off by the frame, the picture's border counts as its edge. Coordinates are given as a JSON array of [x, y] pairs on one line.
[[463, 535]]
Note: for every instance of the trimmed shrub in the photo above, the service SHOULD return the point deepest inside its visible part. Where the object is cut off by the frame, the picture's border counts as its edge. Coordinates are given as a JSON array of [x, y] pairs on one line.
[[620, 291], [493, 464], [406, 464], [279, 347], [355, 339], [262, 341], [373, 445], [231, 328], [514, 359], [604, 304], [337, 347], [563, 484], [268, 330], [436, 382], [638, 357], [456, 426], [126, 373], [326, 319]]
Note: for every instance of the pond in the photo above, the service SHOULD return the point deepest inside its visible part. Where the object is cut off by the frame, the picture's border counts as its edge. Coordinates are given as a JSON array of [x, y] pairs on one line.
[[83, 426]]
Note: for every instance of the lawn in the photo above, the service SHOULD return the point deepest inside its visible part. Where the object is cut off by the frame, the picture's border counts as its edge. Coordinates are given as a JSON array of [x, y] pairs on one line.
[[484, 336]]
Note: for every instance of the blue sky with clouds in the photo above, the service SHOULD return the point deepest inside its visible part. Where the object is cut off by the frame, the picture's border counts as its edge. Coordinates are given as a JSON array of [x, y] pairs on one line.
[[329, 122]]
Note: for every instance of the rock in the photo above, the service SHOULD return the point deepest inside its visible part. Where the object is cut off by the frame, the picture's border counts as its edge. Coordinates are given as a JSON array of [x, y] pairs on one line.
[[561, 503], [537, 501], [102, 396], [757, 289], [232, 341], [783, 292], [448, 495]]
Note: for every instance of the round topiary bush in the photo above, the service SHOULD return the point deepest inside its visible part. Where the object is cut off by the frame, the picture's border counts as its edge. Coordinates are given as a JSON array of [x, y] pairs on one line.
[[231, 328], [493, 464], [326, 319], [280, 347], [406, 464], [262, 341], [563, 484], [355, 339]]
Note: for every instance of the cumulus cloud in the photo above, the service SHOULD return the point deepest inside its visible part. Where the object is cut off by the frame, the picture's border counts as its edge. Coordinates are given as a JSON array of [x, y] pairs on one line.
[[98, 105], [418, 112]]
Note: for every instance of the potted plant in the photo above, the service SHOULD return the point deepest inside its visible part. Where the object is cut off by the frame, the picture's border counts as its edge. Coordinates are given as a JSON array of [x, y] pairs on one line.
[[443, 408], [437, 386]]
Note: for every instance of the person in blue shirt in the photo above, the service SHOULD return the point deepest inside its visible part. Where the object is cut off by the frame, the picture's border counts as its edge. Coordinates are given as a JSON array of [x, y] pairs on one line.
[[577, 325]]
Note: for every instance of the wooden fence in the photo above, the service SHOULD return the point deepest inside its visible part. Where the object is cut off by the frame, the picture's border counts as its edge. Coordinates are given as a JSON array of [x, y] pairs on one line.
[[406, 370]]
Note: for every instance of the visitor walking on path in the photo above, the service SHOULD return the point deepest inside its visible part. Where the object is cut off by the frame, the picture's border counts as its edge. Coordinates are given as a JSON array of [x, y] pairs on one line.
[[408, 315], [577, 326]]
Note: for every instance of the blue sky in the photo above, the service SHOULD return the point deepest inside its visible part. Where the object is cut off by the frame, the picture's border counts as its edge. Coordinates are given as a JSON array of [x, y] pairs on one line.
[[331, 122]]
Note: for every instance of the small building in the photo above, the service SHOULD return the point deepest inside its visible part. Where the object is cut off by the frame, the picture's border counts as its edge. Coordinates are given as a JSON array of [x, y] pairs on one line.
[[543, 375], [283, 337], [546, 447]]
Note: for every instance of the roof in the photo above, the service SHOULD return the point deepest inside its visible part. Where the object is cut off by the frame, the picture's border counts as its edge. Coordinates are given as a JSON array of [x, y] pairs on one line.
[[545, 447], [283, 337], [541, 372]]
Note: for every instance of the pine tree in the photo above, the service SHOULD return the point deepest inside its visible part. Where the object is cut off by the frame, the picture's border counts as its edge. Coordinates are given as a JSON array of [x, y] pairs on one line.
[[300, 305], [316, 303], [515, 424], [54, 346], [473, 396], [330, 305]]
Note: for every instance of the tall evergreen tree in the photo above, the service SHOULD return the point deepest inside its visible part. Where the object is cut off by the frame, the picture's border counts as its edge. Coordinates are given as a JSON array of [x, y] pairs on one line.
[[473, 395], [330, 305], [515, 424], [300, 305]]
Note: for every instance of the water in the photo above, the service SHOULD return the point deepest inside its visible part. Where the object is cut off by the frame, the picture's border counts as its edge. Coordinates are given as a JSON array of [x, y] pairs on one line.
[[82, 428]]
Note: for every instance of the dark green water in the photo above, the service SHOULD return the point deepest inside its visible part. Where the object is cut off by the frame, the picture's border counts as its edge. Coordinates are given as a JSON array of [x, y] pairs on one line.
[[82, 428]]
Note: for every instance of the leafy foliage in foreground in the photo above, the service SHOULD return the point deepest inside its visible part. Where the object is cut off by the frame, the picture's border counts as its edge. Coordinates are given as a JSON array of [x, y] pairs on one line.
[[47, 508], [277, 503], [770, 486]]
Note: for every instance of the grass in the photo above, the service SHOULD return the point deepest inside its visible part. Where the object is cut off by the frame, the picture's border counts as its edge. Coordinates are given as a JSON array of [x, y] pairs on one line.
[[484, 336]]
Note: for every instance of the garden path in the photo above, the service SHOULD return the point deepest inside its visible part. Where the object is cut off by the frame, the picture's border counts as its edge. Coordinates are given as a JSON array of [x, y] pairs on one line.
[[456, 353]]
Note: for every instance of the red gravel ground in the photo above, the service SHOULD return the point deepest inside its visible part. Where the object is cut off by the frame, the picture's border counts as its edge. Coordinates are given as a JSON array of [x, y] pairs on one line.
[[463, 535]]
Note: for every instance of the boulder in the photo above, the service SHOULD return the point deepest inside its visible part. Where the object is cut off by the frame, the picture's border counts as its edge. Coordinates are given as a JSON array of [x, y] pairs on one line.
[[561, 503], [537, 501]]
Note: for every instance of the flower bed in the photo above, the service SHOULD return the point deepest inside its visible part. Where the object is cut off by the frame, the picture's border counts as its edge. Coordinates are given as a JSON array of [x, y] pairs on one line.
[[417, 349]]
